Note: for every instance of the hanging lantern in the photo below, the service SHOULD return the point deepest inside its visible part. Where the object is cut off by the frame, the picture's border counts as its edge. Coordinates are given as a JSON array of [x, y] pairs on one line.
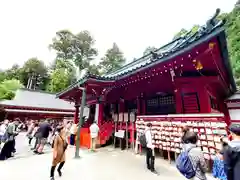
[[172, 73], [211, 45], [198, 65]]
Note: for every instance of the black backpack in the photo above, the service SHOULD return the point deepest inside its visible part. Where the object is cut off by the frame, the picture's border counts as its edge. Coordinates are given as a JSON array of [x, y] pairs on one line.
[[143, 140]]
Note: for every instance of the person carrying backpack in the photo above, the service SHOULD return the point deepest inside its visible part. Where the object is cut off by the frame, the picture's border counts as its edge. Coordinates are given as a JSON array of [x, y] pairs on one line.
[[191, 162], [231, 154], [146, 141]]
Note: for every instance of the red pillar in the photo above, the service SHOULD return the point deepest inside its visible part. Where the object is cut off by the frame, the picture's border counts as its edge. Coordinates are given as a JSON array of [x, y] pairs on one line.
[[76, 114], [122, 112], [143, 105], [204, 100], [100, 114], [178, 100], [138, 106]]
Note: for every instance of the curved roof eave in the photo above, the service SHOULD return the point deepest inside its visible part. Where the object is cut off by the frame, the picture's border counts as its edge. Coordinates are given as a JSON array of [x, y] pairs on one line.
[[167, 52]]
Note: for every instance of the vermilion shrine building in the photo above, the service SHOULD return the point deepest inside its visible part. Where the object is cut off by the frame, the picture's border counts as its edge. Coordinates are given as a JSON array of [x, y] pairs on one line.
[[35, 105], [184, 82]]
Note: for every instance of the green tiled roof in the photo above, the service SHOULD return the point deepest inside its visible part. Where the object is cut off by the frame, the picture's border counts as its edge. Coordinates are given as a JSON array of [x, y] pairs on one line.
[[164, 53]]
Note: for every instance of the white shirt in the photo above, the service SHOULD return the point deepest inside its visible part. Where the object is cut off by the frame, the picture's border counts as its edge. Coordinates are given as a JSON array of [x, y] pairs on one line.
[[73, 129], [3, 129], [34, 131], [94, 129], [149, 139]]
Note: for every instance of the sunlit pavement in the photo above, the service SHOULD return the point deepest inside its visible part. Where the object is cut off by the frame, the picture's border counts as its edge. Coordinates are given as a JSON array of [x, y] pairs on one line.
[[106, 164]]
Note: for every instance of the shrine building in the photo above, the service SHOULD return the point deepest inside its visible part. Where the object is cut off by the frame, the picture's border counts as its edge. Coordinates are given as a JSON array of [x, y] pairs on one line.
[[184, 82], [35, 105]]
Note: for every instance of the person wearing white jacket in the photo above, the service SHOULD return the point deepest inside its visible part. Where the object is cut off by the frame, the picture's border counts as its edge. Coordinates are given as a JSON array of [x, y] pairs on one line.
[[150, 158]]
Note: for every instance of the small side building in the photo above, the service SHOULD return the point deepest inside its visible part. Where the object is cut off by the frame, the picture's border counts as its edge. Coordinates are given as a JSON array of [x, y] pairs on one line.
[[233, 105], [32, 104]]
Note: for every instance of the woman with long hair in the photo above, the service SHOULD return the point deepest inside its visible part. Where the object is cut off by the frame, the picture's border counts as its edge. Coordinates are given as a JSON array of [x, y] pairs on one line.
[[59, 148]]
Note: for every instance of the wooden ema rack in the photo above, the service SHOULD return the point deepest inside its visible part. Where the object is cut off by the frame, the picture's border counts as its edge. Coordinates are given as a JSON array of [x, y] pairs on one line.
[[167, 131]]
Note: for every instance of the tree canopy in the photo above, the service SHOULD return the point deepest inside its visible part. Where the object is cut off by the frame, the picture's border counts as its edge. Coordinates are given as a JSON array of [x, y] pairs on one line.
[[113, 59], [233, 38], [8, 88], [78, 48], [84, 51], [62, 76], [60, 79], [183, 31]]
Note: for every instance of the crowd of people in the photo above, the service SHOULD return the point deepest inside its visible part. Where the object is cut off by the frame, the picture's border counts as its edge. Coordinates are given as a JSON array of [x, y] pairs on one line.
[[191, 162], [8, 131], [44, 132]]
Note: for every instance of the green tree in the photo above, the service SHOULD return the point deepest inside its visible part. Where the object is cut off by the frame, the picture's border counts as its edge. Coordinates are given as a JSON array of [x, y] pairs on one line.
[[62, 44], [60, 80], [183, 31], [76, 48], [8, 88], [113, 59], [13, 73], [69, 67], [62, 76], [232, 27], [94, 69], [148, 50], [83, 48], [34, 72], [2, 76]]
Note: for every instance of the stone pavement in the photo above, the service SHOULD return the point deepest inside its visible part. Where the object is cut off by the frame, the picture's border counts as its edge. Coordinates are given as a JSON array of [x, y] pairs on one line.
[[103, 165], [106, 164]]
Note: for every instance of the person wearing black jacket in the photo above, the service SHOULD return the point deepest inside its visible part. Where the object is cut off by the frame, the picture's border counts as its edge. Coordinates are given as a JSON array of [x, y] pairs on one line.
[[231, 154], [43, 132]]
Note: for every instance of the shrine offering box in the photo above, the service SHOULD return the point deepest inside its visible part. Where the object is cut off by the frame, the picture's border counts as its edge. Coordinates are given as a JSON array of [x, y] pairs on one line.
[[167, 133]]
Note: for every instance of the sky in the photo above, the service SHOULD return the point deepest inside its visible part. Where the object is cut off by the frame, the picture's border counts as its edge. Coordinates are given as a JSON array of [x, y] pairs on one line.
[[28, 26]]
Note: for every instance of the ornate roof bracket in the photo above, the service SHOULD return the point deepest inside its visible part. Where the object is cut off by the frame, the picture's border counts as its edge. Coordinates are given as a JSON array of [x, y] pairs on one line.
[[211, 23]]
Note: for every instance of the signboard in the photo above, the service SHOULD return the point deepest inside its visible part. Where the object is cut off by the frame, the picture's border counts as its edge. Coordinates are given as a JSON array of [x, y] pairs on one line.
[[119, 134], [85, 112]]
